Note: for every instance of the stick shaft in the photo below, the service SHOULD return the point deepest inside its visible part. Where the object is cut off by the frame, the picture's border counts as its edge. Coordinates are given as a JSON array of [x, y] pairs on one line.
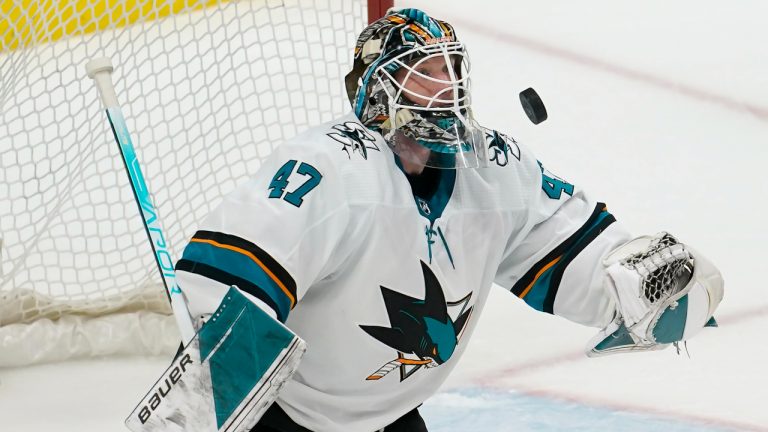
[[155, 233]]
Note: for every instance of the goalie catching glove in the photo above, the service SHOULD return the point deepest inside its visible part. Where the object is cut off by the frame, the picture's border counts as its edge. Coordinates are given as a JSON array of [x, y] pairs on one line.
[[664, 291]]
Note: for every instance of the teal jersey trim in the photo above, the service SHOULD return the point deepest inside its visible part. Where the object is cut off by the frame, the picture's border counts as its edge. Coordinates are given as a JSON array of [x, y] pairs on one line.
[[538, 294], [439, 200], [430, 231], [240, 266], [430, 234], [447, 249], [544, 284], [432, 208]]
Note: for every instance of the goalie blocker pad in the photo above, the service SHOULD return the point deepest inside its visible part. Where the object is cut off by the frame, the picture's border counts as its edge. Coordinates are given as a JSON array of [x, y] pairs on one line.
[[665, 292], [226, 377]]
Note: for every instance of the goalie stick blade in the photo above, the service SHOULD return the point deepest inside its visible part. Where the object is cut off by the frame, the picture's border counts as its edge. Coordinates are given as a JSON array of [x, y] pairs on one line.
[[226, 377]]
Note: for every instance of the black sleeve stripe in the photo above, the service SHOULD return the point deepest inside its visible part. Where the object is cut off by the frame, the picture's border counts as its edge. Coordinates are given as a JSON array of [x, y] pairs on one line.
[[565, 252], [557, 274], [259, 253], [228, 279]]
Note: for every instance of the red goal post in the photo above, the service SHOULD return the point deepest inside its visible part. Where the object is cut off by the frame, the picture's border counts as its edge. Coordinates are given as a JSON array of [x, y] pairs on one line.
[[377, 9], [208, 87]]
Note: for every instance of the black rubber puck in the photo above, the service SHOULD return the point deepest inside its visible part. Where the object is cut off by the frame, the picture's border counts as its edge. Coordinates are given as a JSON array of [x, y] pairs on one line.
[[533, 106]]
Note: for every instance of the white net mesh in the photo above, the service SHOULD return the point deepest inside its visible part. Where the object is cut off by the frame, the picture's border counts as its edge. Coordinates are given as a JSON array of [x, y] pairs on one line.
[[208, 89]]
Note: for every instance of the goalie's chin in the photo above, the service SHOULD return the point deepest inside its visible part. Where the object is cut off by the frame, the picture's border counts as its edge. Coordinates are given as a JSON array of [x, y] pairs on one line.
[[464, 149]]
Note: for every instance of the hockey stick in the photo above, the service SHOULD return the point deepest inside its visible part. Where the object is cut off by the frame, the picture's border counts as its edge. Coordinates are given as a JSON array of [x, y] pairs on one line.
[[230, 372], [100, 70]]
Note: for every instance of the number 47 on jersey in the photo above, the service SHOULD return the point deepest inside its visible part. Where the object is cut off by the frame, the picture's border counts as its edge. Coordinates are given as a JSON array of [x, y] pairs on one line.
[[309, 175]]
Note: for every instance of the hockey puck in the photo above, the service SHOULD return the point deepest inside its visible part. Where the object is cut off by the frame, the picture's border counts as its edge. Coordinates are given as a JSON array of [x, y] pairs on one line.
[[533, 106]]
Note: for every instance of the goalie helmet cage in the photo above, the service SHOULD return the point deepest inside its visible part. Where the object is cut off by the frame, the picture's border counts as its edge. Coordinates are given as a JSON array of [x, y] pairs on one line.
[[208, 88]]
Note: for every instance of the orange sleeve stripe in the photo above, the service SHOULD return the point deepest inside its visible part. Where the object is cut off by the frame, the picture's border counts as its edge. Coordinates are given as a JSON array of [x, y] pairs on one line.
[[256, 260], [541, 272]]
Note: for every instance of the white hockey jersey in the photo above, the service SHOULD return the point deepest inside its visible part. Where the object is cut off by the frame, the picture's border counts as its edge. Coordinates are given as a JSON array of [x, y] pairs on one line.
[[386, 286]]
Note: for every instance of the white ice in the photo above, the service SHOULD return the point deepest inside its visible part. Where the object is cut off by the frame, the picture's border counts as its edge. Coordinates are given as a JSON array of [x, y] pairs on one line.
[[659, 109]]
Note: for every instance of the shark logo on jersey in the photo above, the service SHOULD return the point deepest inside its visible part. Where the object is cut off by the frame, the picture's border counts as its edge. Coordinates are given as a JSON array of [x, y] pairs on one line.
[[355, 138], [501, 147], [425, 332]]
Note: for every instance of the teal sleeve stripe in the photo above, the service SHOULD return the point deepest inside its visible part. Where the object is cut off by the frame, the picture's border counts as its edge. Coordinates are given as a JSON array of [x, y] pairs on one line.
[[240, 266], [538, 293], [542, 294]]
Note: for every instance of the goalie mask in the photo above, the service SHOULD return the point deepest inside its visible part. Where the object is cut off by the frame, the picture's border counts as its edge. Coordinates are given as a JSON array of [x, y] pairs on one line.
[[410, 82]]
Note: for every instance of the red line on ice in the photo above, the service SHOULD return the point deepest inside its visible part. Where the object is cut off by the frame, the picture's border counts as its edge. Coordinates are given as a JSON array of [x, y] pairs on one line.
[[490, 380]]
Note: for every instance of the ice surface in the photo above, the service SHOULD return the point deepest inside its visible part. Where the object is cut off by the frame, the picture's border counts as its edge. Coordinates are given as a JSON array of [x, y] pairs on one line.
[[479, 410]]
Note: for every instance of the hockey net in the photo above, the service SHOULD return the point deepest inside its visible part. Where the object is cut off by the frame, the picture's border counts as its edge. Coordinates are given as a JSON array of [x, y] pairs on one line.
[[208, 89]]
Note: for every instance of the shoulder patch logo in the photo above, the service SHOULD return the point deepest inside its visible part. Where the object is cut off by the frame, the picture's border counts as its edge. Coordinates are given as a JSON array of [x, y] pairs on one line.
[[355, 138], [424, 333], [501, 147]]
